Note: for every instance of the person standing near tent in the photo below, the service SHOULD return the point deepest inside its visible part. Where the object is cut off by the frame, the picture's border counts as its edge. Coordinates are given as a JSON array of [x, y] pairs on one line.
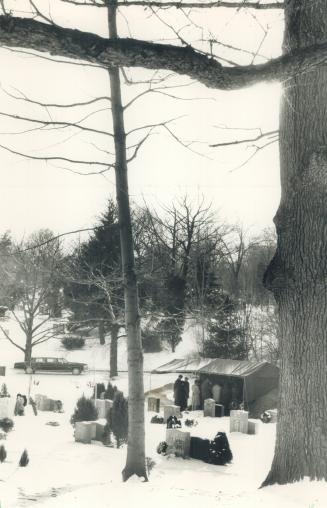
[[196, 402], [206, 390], [178, 391], [185, 393]]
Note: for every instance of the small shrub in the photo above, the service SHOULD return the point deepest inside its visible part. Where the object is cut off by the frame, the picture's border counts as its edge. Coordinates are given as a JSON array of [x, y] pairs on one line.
[[24, 459], [110, 392], [118, 418], [3, 453], [85, 411], [150, 463], [73, 342], [6, 424], [4, 391]]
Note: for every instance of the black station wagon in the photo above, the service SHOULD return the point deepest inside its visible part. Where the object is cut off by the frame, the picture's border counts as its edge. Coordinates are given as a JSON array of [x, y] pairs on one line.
[[50, 364]]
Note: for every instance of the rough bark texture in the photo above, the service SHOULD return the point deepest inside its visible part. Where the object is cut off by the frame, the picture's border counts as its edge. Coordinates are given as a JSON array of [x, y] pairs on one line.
[[66, 42], [113, 350], [298, 271], [101, 332], [135, 462]]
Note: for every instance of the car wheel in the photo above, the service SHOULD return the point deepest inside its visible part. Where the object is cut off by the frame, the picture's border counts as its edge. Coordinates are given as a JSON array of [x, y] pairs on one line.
[[29, 370], [76, 371]]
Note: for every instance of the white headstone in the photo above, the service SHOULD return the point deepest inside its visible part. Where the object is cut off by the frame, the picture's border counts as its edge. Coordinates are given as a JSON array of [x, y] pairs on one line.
[[209, 408], [4, 407], [171, 411], [83, 432], [253, 427], [103, 406], [239, 421]]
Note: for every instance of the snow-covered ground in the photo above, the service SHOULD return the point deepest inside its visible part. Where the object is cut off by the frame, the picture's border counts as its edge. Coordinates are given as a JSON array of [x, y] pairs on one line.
[[65, 474]]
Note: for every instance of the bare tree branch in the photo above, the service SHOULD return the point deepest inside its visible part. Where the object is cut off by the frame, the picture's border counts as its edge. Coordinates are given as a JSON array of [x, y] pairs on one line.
[[31, 34], [178, 5]]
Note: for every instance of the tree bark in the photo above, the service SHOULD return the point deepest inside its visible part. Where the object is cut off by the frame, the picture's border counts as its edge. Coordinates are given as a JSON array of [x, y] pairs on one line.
[[298, 272], [113, 350], [101, 332], [28, 348], [135, 462]]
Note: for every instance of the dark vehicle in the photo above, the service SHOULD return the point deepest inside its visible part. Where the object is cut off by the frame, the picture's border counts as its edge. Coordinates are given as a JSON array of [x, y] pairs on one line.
[[51, 364]]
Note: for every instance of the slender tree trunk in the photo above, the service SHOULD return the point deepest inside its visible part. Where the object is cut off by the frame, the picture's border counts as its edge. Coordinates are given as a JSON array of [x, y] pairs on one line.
[[135, 463], [113, 350], [101, 332], [28, 348], [298, 272]]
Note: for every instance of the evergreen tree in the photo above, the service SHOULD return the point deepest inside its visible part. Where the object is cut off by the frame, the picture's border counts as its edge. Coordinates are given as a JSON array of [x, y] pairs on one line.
[[118, 418], [226, 334], [24, 459], [85, 411], [3, 453]]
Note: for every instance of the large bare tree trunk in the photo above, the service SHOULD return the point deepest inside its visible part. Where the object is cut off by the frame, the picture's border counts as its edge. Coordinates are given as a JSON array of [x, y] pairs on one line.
[[298, 271], [113, 350], [135, 463]]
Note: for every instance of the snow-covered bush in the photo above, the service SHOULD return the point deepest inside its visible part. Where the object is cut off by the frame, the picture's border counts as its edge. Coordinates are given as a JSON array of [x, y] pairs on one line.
[[73, 342], [85, 411]]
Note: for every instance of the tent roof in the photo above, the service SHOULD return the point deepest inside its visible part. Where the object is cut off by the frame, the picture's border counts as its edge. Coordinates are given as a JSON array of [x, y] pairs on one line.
[[185, 365], [239, 368], [218, 366]]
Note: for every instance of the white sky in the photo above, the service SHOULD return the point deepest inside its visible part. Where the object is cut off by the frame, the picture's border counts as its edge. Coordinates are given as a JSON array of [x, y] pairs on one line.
[[35, 195]]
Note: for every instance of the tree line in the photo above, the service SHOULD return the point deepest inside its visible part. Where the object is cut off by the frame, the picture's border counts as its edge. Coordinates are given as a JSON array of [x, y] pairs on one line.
[[190, 265]]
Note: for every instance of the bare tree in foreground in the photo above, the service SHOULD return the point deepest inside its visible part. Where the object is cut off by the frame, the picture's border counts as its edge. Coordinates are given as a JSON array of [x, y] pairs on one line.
[[298, 271]]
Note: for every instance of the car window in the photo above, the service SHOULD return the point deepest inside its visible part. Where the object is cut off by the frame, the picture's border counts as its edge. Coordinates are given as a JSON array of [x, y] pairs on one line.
[[51, 360], [62, 360]]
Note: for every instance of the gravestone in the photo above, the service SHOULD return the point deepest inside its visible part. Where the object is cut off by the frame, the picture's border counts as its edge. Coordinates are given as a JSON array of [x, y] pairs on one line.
[[99, 429], [219, 410], [42, 402], [273, 413], [209, 407], [153, 404], [171, 411], [253, 427], [83, 432], [239, 421], [2, 371], [178, 442], [103, 406], [4, 407]]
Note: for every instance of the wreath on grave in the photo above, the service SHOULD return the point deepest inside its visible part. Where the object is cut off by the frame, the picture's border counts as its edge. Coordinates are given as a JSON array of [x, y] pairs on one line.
[[162, 448], [157, 419], [266, 417]]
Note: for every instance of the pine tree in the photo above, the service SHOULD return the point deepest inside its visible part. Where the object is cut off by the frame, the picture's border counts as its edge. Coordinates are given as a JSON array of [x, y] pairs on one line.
[[118, 418], [85, 411], [3, 454], [24, 459], [226, 334], [4, 391], [110, 391]]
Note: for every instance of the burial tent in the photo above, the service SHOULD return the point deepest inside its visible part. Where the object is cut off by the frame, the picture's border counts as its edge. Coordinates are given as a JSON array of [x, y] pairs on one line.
[[242, 380]]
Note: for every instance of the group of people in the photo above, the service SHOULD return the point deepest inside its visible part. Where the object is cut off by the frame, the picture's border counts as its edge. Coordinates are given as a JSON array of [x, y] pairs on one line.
[[181, 392]]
